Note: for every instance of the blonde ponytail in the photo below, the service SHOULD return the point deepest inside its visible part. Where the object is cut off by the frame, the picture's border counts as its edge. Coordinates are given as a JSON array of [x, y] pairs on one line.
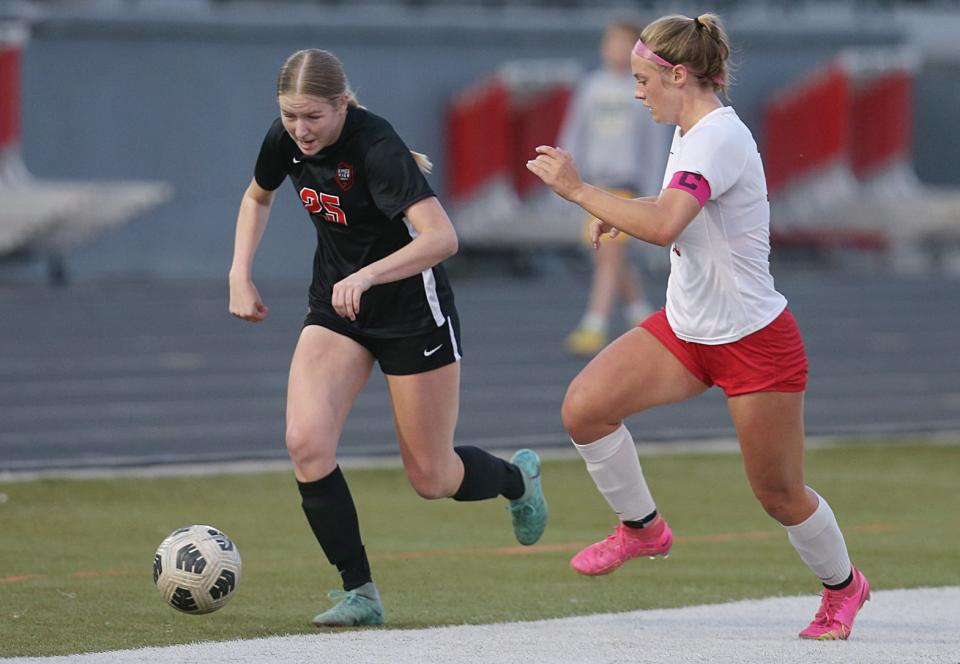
[[423, 161], [701, 43]]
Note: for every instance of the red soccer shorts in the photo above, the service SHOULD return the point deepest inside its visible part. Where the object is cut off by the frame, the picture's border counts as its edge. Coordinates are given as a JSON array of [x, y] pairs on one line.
[[771, 359]]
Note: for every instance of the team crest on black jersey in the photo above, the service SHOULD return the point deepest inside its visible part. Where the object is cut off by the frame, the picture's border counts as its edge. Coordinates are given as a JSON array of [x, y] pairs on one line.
[[345, 175]]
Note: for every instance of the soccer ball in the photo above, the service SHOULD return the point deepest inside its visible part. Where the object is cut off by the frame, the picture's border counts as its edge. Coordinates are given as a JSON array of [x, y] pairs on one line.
[[197, 569]]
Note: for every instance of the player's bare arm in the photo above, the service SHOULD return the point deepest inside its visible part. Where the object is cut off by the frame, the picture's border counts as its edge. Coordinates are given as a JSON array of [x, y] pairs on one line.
[[245, 301], [599, 228], [656, 220], [436, 240]]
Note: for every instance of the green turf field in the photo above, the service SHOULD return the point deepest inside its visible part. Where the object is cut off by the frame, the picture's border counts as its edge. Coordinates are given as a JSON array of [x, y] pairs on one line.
[[76, 556]]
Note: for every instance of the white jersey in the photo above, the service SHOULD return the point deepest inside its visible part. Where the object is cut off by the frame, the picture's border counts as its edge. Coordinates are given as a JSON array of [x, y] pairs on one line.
[[612, 137], [720, 287]]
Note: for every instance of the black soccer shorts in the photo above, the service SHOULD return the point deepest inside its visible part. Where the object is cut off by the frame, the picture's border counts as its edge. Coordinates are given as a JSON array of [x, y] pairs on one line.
[[400, 356]]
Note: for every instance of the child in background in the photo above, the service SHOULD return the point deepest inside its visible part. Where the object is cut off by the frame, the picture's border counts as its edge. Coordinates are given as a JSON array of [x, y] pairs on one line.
[[618, 147]]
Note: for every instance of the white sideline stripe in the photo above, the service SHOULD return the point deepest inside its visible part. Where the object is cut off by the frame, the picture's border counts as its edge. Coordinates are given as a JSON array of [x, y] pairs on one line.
[[897, 626]]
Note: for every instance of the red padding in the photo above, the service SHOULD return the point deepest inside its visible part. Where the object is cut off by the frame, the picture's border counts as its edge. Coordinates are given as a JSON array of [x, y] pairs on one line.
[[9, 96], [882, 122], [837, 238], [478, 135], [806, 127], [536, 121]]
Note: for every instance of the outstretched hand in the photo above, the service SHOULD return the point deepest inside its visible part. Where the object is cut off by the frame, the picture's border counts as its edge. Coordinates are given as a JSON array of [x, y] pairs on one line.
[[555, 166]]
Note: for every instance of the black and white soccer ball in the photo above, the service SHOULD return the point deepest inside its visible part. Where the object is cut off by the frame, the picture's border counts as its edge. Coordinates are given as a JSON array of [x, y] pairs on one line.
[[197, 569]]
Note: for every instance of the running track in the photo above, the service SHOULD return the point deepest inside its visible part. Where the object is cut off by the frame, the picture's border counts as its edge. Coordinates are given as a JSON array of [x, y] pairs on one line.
[[141, 373]]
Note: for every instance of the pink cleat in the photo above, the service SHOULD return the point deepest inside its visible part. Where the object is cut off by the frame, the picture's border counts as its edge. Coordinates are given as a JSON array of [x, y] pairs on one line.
[[625, 543], [838, 608]]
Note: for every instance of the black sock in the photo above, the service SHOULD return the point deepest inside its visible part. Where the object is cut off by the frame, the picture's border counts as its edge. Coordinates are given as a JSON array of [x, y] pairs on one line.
[[842, 585], [486, 476], [333, 518], [641, 523]]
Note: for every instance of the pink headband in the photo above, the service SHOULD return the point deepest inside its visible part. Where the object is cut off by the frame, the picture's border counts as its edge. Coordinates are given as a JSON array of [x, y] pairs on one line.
[[643, 51]]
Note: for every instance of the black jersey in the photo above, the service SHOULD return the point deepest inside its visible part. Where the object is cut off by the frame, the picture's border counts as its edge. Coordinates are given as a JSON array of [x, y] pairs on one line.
[[356, 191]]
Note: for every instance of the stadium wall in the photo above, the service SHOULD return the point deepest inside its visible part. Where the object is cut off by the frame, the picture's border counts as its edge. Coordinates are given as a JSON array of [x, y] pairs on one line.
[[186, 99]]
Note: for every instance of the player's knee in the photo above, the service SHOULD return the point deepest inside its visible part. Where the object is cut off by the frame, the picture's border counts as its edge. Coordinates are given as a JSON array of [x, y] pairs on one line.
[[431, 487], [578, 413], [305, 448], [431, 481], [298, 442], [780, 502]]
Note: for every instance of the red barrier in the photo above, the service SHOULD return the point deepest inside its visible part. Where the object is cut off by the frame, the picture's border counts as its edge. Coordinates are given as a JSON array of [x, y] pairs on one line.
[[807, 127], [881, 122], [9, 96], [535, 121], [831, 238], [478, 138]]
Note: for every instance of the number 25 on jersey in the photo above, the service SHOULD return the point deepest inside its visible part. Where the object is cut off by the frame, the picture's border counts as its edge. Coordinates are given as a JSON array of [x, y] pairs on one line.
[[325, 204]]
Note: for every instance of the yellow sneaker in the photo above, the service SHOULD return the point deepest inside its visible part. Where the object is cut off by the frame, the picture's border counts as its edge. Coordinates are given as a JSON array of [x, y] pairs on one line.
[[586, 342]]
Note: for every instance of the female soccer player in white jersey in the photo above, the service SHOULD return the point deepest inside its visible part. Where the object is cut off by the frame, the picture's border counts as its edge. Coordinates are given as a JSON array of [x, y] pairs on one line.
[[379, 293], [724, 323]]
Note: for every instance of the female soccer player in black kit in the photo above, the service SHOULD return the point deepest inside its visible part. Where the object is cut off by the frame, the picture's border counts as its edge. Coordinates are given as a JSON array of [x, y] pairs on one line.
[[378, 293]]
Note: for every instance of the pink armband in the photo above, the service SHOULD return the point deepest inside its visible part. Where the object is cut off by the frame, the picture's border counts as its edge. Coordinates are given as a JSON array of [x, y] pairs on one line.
[[692, 183]]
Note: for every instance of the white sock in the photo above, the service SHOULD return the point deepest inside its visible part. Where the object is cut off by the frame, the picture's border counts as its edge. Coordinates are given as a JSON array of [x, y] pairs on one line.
[[594, 322], [820, 544], [614, 465]]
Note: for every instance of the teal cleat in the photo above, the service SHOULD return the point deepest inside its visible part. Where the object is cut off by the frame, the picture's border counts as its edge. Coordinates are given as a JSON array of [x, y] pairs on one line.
[[360, 606], [529, 511]]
